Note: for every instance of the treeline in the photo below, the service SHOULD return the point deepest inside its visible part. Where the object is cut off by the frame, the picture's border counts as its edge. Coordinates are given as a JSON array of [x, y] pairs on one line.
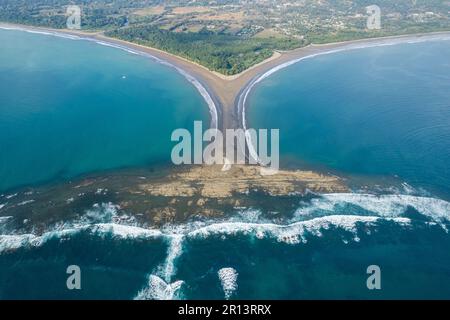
[[52, 13], [389, 29], [225, 53]]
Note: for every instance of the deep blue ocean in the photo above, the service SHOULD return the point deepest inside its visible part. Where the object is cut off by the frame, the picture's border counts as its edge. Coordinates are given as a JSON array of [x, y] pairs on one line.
[[368, 113]]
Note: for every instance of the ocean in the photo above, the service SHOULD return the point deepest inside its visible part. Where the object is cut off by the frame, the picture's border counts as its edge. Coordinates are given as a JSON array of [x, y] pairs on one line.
[[366, 114], [76, 107]]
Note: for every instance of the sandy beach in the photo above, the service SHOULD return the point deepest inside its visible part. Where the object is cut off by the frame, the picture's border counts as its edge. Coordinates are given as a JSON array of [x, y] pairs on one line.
[[228, 93]]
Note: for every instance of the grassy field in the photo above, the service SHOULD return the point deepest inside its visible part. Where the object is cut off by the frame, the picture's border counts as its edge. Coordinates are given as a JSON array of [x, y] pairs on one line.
[[230, 36]]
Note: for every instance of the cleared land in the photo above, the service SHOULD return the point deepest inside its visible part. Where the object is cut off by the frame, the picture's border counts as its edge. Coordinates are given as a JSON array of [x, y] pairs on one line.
[[231, 36]]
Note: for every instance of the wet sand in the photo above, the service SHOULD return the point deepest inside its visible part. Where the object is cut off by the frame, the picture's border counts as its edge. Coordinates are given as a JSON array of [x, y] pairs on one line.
[[225, 90], [176, 194]]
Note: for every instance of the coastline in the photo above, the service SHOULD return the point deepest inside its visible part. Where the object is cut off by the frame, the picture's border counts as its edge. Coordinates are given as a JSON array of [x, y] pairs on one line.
[[154, 54], [226, 96], [293, 58], [159, 231]]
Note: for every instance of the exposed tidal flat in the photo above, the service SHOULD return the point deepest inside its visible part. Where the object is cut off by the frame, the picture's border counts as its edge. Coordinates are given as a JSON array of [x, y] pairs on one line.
[[158, 232]]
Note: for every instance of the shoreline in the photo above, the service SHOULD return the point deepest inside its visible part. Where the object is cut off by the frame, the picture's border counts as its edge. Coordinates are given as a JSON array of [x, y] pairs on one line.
[[226, 114], [165, 59], [241, 99], [155, 200], [226, 96]]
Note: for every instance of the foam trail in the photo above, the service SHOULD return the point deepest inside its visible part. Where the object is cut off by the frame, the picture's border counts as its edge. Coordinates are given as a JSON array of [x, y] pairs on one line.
[[174, 251], [159, 286], [195, 82], [158, 289], [228, 280]]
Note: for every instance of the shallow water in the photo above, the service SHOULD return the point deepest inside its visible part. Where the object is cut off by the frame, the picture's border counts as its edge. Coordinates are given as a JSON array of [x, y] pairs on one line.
[[73, 107], [370, 112], [321, 250]]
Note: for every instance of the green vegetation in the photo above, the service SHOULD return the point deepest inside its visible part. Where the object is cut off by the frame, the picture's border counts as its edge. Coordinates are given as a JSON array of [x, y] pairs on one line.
[[102, 14], [229, 36], [228, 54]]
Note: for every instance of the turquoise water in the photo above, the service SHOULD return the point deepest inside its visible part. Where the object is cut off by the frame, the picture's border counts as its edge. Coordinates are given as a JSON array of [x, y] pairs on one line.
[[359, 112], [74, 107], [382, 111]]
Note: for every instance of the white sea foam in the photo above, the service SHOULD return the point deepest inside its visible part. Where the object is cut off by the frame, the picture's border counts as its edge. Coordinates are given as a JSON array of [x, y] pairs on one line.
[[249, 215], [5, 218], [159, 285], [16, 241], [195, 82], [228, 280], [104, 219], [3, 205], [382, 205], [104, 212], [126, 232], [242, 100], [13, 241], [158, 289], [409, 189], [25, 202], [293, 233], [173, 253]]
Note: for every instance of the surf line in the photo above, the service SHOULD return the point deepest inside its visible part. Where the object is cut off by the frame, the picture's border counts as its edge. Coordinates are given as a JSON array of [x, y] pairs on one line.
[[243, 96], [202, 89]]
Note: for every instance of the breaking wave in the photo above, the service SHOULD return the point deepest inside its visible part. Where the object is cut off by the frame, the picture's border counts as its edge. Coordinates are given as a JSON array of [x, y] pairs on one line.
[[158, 289], [159, 284], [353, 214], [344, 211], [391, 205], [228, 280]]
